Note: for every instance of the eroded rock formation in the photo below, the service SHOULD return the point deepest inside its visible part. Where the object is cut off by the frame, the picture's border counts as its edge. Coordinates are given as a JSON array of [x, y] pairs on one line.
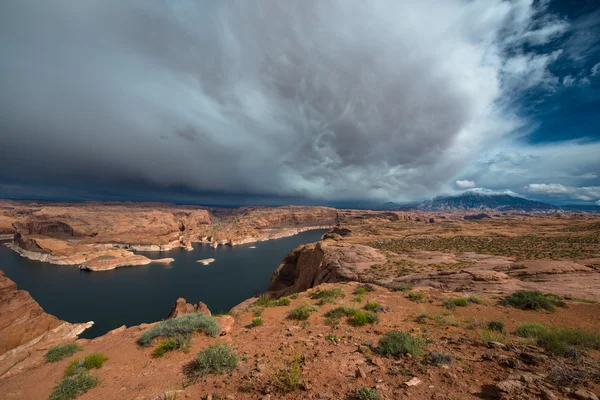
[[26, 331]]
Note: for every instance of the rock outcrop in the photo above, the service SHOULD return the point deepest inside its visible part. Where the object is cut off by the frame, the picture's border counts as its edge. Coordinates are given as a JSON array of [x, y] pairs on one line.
[[26, 331], [312, 264], [182, 307]]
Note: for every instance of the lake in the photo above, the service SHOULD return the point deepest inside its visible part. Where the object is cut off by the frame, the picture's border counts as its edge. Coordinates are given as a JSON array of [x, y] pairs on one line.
[[133, 295]]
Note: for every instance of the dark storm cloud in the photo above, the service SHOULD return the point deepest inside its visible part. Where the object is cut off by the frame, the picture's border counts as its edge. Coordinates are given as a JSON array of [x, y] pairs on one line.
[[322, 99]]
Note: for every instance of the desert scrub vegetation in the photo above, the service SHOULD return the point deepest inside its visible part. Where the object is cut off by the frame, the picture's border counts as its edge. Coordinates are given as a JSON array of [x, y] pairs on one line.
[[357, 299], [405, 287], [496, 326], [61, 351], [180, 326], [397, 343], [171, 344], [289, 377], [438, 358], [355, 317], [373, 306], [417, 297], [361, 318], [327, 296], [533, 300], [559, 341], [330, 337], [301, 313], [488, 335], [215, 359], [451, 304], [264, 300], [364, 289], [73, 386], [526, 247], [258, 321], [90, 361], [366, 393]]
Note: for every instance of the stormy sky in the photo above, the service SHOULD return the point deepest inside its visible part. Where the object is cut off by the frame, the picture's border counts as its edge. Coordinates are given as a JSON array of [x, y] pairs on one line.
[[299, 101]]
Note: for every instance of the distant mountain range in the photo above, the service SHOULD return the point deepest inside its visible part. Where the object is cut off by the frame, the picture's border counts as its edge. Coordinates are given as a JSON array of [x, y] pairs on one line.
[[484, 201]]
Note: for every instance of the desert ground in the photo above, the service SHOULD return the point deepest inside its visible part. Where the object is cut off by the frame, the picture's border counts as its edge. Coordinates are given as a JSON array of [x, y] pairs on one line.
[[389, 305]]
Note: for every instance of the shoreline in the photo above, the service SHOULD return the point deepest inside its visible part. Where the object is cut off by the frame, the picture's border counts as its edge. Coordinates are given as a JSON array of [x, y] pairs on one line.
[[130, 259]]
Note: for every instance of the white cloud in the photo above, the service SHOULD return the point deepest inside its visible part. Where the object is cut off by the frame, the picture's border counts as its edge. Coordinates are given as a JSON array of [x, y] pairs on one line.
[[598, 203], [554, 189], [465, 184], [323, 99], [595, 69], [568, 80]]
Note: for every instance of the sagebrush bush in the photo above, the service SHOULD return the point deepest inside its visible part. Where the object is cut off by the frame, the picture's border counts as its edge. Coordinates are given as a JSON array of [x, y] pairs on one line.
[[300, 313], [360, 291], [258, 321], [416, 296], [497, 326], [215, 359], [289, 377], [171, 344], [61, 351], [340, 312], [73, 386], [181, 326], [361, 318], [400, 343], [328, 296], [559, 341], [405, 287], [90, 361], [533, 300], [373, 306], [440, 358], [530, 330], [366, 393]]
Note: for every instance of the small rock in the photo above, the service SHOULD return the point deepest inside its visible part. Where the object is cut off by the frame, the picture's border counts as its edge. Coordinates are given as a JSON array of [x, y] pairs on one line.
[[583, 394], [548, 395], [510, 386], [360, 373], [413, 382], [496, 345]]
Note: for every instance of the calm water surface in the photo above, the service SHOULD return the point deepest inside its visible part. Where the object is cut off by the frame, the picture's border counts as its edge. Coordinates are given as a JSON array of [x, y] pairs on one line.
[[133, 295]]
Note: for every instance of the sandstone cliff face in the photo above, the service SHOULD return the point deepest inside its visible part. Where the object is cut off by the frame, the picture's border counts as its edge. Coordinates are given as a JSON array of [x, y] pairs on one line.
[[322, 262], [26, 330]]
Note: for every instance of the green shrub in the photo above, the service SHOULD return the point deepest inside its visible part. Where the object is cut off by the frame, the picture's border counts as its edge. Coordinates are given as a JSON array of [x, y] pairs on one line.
[[61, 351], [400, 343], [332, 338], [474, 299], [171, 344], [294, 296], [364, 288], [487, 336], [215, 359], [373, 306], [258, 312], [258, 321], [461, 302], [357, 299], [289, 378], [327, 296], [405, 287], [73, 386], [366, 393], [497, 326], [533, 300], [440, 358], [92, 360], [361, 318], [264, 300], [416, 296], [559, 341], [181, 326], [340, 312], [300, 313], [455, 302], [284, 301], [530, 330]]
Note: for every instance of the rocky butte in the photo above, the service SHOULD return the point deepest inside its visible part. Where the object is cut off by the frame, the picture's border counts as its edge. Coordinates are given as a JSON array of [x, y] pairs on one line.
[[389, 305]]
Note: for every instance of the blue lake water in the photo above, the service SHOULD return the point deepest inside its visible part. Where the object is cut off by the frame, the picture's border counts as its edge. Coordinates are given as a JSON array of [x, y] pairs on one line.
[[133, 295]]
